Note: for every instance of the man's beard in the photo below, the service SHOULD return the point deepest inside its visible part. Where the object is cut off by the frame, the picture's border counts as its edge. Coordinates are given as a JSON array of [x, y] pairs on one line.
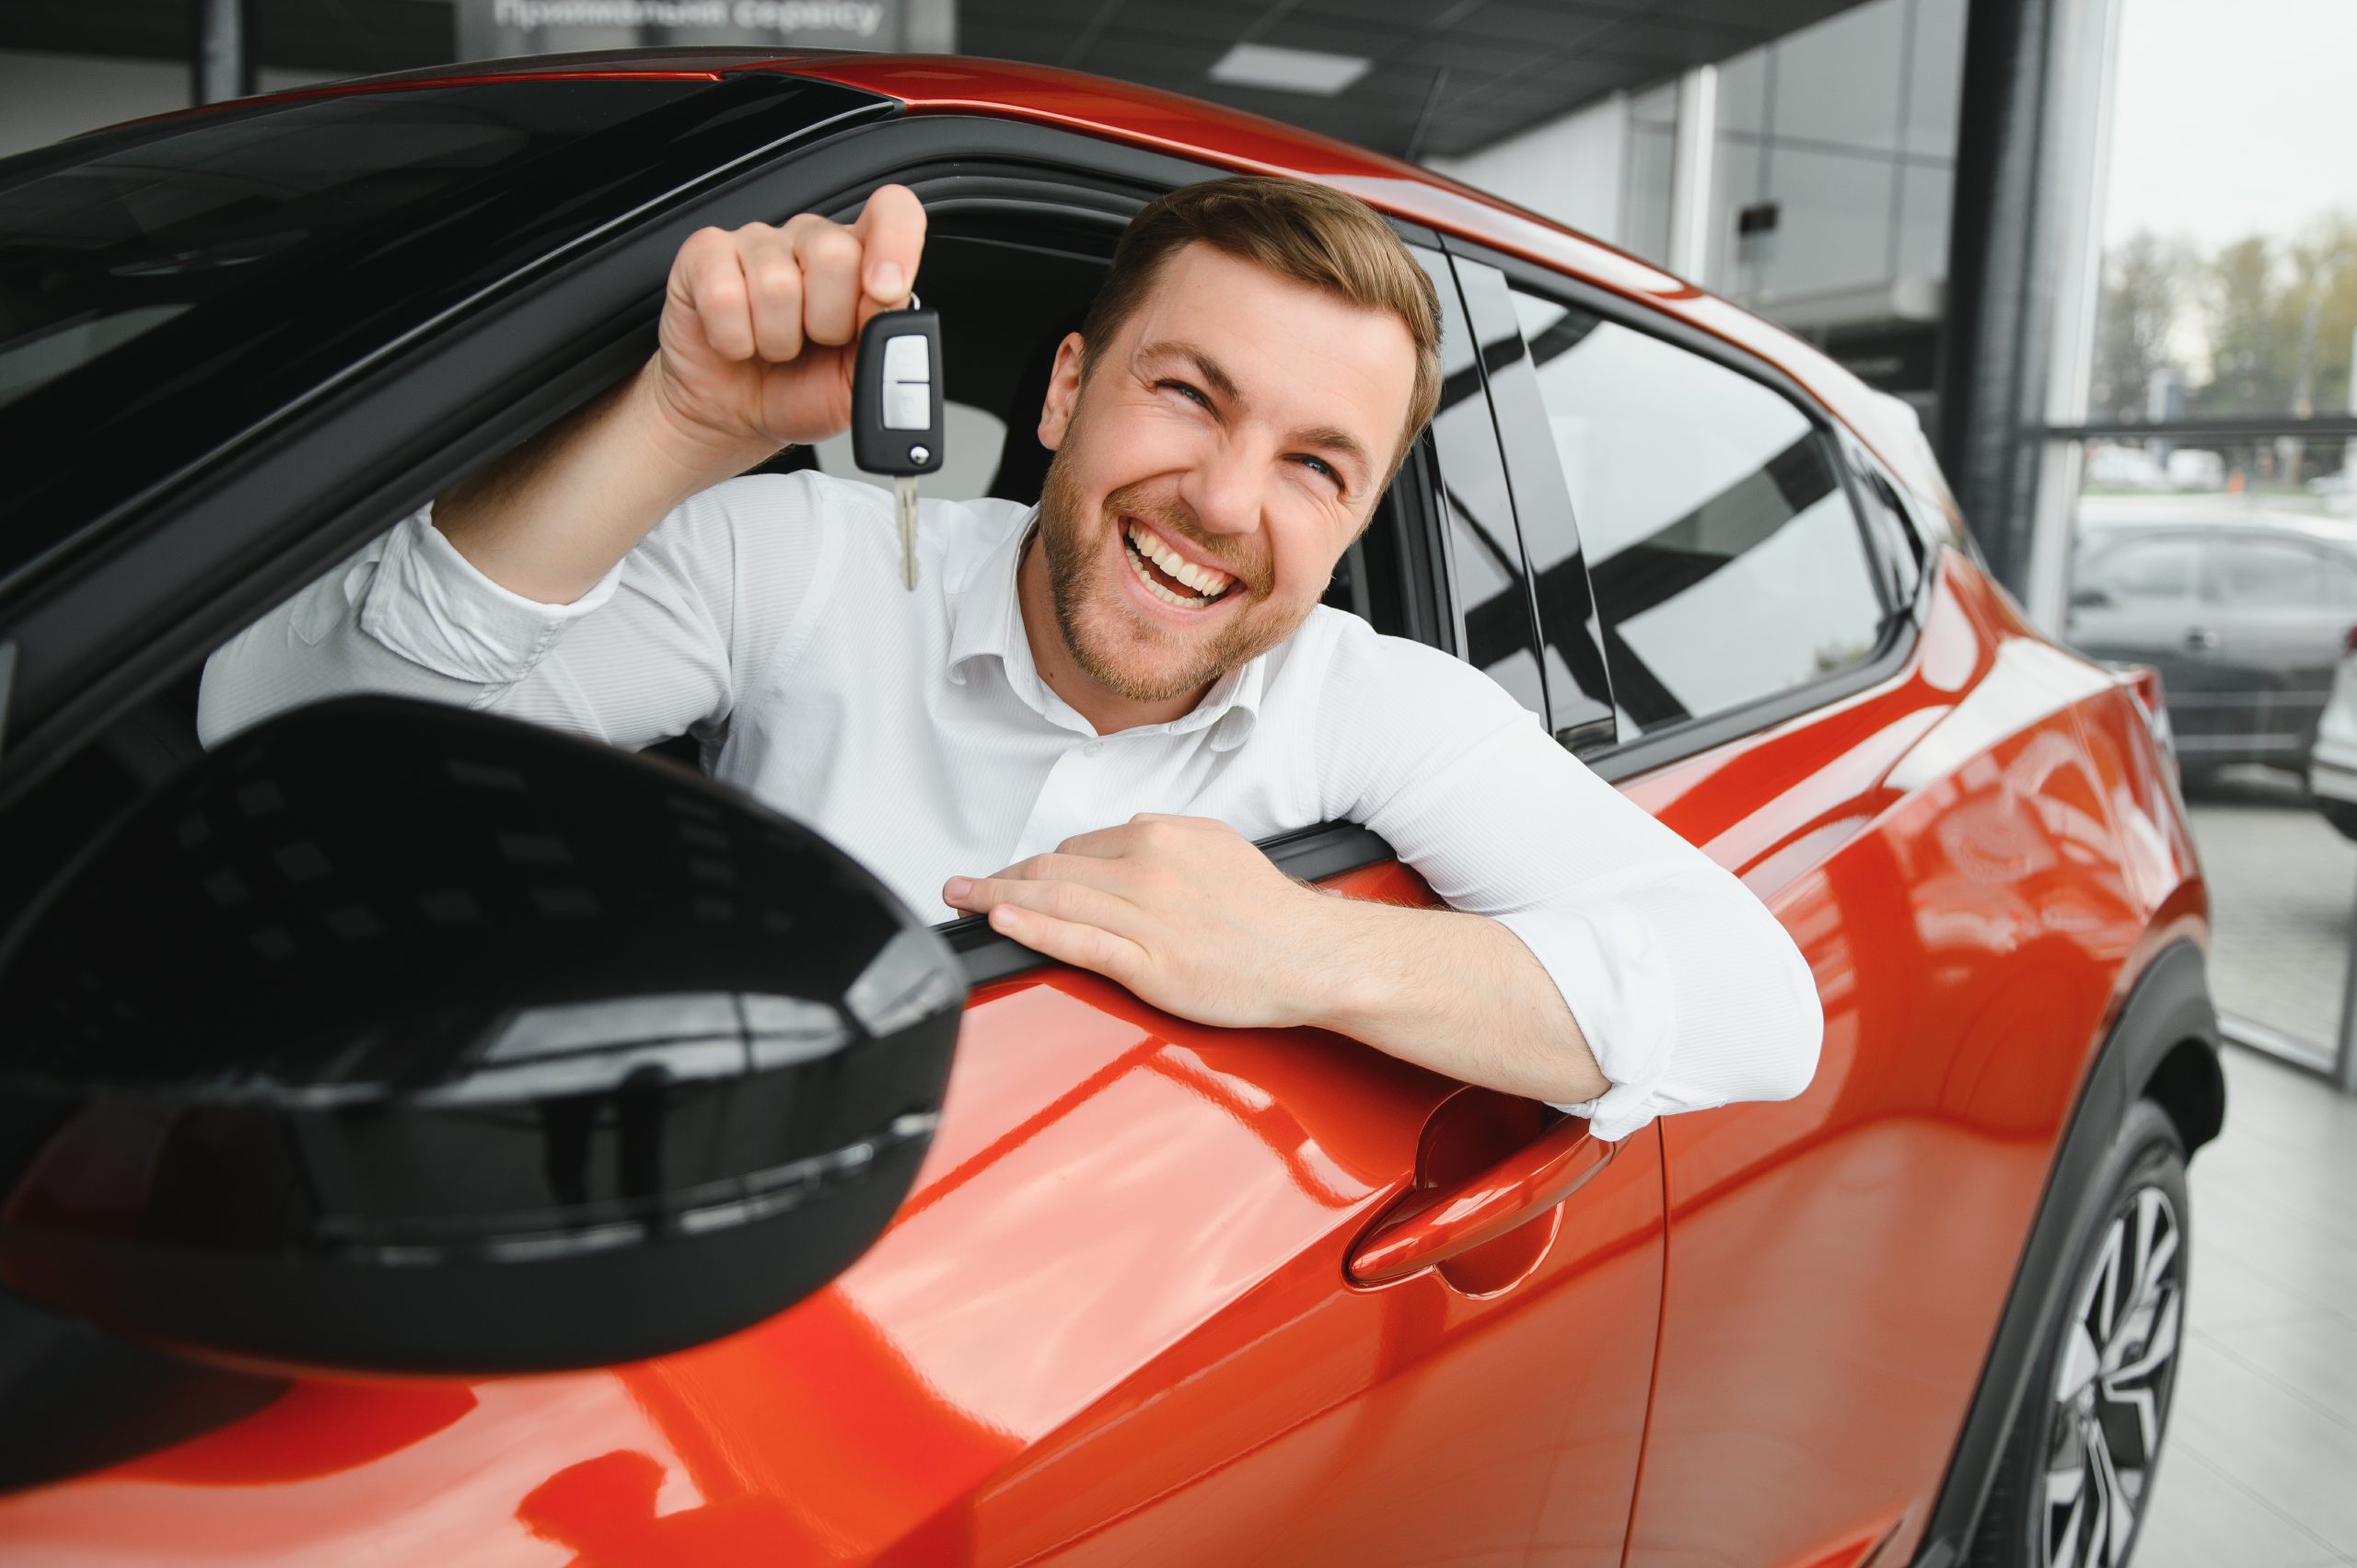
[[1070, 533]]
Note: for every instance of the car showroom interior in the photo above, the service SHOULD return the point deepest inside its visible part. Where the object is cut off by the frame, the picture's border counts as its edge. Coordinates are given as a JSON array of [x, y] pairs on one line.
[[1901, 453]]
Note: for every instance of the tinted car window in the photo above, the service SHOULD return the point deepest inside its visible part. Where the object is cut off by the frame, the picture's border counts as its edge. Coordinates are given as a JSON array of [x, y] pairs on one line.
[[2149, 571], [166, 285], [1728, 564], [2266, 574]]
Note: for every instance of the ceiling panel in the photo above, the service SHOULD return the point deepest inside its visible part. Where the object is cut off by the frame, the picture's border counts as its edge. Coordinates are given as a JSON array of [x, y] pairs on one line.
[[1511, 63]]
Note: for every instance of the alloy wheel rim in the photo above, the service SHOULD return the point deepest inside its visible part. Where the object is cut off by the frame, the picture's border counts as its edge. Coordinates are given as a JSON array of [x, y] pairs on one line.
[[2111, 1386]]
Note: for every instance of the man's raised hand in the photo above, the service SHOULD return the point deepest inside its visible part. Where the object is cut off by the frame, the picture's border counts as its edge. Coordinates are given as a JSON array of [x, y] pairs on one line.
[[760, 324]]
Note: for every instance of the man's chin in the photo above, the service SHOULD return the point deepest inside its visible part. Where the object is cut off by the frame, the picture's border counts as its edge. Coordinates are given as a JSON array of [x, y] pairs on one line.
[[1140, 663]]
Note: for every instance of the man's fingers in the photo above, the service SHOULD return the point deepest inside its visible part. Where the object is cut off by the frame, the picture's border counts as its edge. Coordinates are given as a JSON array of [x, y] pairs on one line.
[[710, 284], [1095, 906], [1102, 843], [1070, 942], [891, 228], [773, 281], [828, 255]]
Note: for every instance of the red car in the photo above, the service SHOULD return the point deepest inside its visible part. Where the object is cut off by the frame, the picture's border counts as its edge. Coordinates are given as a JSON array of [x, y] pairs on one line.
[[325, 1243]]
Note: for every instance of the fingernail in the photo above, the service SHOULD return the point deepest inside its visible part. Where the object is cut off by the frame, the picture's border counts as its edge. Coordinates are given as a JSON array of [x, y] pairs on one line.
[[886, 283], [953, 890]]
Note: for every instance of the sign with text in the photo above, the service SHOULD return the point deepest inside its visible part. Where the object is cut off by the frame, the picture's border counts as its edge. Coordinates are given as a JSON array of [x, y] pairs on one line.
[[489, 29]]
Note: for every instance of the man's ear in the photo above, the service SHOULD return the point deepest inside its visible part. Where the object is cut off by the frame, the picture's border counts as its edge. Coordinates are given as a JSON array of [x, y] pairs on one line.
[[1063, 393]]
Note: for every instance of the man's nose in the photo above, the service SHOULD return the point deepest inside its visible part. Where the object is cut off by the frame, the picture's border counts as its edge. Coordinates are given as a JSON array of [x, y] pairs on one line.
[[1224, 490]]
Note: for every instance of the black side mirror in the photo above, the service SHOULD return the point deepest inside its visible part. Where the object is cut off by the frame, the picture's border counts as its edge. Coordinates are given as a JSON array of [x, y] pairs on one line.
[[396, 1037]]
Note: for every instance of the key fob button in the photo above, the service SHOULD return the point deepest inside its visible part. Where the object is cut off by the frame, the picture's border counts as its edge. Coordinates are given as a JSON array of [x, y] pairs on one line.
[[908, 405], [905, 358]]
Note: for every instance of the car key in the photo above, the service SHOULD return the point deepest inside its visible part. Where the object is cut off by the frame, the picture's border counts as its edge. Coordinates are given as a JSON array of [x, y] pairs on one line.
[[896, 410]]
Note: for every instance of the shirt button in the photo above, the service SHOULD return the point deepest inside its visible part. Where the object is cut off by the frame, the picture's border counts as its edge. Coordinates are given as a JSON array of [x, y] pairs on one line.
[[1092, 748]]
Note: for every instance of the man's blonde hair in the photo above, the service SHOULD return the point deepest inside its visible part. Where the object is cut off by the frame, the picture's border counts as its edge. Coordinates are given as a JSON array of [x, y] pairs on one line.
[[1309, 234]]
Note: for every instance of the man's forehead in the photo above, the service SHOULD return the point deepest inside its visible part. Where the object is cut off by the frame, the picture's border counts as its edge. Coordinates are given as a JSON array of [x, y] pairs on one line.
[[1297, 352]]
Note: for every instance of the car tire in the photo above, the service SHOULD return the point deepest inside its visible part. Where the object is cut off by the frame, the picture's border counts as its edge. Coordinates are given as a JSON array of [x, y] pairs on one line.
[[2341, 814], [2075, 1472]]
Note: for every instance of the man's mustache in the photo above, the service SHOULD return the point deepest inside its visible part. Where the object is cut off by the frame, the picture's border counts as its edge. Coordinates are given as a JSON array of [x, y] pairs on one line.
[[1179, 519]]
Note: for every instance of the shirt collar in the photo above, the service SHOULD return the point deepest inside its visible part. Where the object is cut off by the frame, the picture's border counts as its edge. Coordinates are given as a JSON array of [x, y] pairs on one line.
[[986, 622]]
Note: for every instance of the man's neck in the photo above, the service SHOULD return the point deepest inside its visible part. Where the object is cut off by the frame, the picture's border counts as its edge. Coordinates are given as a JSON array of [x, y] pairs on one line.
[[1106, 710]]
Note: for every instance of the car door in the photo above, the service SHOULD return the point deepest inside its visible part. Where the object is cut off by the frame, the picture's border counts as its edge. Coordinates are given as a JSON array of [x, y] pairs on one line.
[[1831, 718], [2277, 609], [1137, 1307], [2138, 598]]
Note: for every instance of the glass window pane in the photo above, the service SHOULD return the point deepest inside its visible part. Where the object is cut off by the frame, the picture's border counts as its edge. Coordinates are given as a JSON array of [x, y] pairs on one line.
[[2265, 573], [1727, 563], [1925, 196], [1645, 197], [1735, 185], [1833, 220], [1837, 82], [1935, 77], [1743, 94], [2229, 279], [2149, 571]]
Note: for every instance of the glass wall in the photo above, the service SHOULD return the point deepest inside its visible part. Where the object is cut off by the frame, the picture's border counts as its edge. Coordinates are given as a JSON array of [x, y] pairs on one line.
[[1836, 154], [2214, 536], [1649, 173]]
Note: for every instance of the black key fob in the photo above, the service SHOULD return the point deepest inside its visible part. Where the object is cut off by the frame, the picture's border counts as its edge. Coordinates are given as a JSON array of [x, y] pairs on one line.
[[895, 394]]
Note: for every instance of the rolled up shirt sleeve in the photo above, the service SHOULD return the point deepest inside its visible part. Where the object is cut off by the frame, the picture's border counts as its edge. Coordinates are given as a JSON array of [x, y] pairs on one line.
[[1688, 990], [430, 605], [659, 646]]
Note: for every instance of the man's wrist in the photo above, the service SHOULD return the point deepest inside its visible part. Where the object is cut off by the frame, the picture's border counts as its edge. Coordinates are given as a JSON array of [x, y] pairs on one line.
[[697, 454], [1339, 980]]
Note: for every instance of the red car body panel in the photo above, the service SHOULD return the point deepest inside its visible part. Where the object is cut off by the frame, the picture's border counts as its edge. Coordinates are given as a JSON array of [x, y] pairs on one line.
[[1112, 1323]]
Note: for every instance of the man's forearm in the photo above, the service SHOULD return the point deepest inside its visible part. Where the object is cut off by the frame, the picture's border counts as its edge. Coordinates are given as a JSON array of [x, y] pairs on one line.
[[551, 518], [1456, 993]]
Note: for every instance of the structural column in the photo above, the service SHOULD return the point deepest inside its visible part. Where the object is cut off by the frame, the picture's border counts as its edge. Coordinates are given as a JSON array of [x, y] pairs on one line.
[[221, 63]]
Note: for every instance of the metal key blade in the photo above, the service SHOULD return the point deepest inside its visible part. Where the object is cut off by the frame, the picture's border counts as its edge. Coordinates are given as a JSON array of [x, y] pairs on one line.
[[904, 498]]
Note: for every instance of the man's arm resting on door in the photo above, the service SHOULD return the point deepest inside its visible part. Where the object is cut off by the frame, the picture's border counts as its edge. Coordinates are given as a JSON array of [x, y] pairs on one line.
[[1193, 919]]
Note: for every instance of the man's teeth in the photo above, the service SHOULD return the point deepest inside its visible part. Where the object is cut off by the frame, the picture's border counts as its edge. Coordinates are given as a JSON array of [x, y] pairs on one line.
[[1207, 583]]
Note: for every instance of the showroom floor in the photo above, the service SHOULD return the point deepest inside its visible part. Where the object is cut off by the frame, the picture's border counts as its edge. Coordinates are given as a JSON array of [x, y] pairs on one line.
[[2260, 1468], [2281, 881]]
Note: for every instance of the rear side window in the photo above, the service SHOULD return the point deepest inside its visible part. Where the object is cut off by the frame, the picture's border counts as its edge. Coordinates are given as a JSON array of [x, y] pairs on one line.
[[1727, 562], [2273, 574], [2149, 571]]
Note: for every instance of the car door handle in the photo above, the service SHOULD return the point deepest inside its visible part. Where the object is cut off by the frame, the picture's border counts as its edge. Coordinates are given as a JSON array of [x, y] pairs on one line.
[[1434, 1224], [2201, 637]]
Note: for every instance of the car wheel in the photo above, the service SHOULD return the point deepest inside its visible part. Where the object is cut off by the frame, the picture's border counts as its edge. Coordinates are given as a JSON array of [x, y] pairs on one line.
[[2341, 814], [2078, 1464]]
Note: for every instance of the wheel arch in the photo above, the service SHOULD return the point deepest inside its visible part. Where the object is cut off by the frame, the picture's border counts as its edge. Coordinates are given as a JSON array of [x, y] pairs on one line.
[[2163, 1046]]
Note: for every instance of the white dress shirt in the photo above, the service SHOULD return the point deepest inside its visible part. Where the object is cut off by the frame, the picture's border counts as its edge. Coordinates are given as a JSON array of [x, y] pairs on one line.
[[766, 617]]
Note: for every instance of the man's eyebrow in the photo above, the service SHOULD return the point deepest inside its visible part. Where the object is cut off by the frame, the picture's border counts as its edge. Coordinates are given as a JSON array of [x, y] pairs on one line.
[[1336, 440], [1205, 367], [1329, 437]]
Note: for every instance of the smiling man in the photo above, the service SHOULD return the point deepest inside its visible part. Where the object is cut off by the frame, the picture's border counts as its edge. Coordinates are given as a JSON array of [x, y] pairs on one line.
[[1088, 710]]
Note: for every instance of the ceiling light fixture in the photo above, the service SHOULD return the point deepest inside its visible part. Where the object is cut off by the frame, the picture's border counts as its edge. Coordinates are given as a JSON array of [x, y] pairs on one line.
[[1289, 70]]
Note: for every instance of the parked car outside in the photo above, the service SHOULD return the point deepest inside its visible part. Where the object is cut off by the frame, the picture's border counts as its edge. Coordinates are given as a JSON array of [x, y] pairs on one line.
[[2244, 614], [320, 1072], [2333, 765]]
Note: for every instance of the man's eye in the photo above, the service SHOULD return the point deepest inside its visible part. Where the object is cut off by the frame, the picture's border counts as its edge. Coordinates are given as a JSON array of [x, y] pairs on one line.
[[1183, 387], [1321, 465]]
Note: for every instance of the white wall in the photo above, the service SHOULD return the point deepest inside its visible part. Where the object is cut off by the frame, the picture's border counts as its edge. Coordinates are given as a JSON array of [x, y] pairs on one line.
[[1568, 169], [44, 97]]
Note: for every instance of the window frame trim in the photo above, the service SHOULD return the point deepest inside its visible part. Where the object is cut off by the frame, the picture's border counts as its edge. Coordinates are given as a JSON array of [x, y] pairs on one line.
[[1627, 758]]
